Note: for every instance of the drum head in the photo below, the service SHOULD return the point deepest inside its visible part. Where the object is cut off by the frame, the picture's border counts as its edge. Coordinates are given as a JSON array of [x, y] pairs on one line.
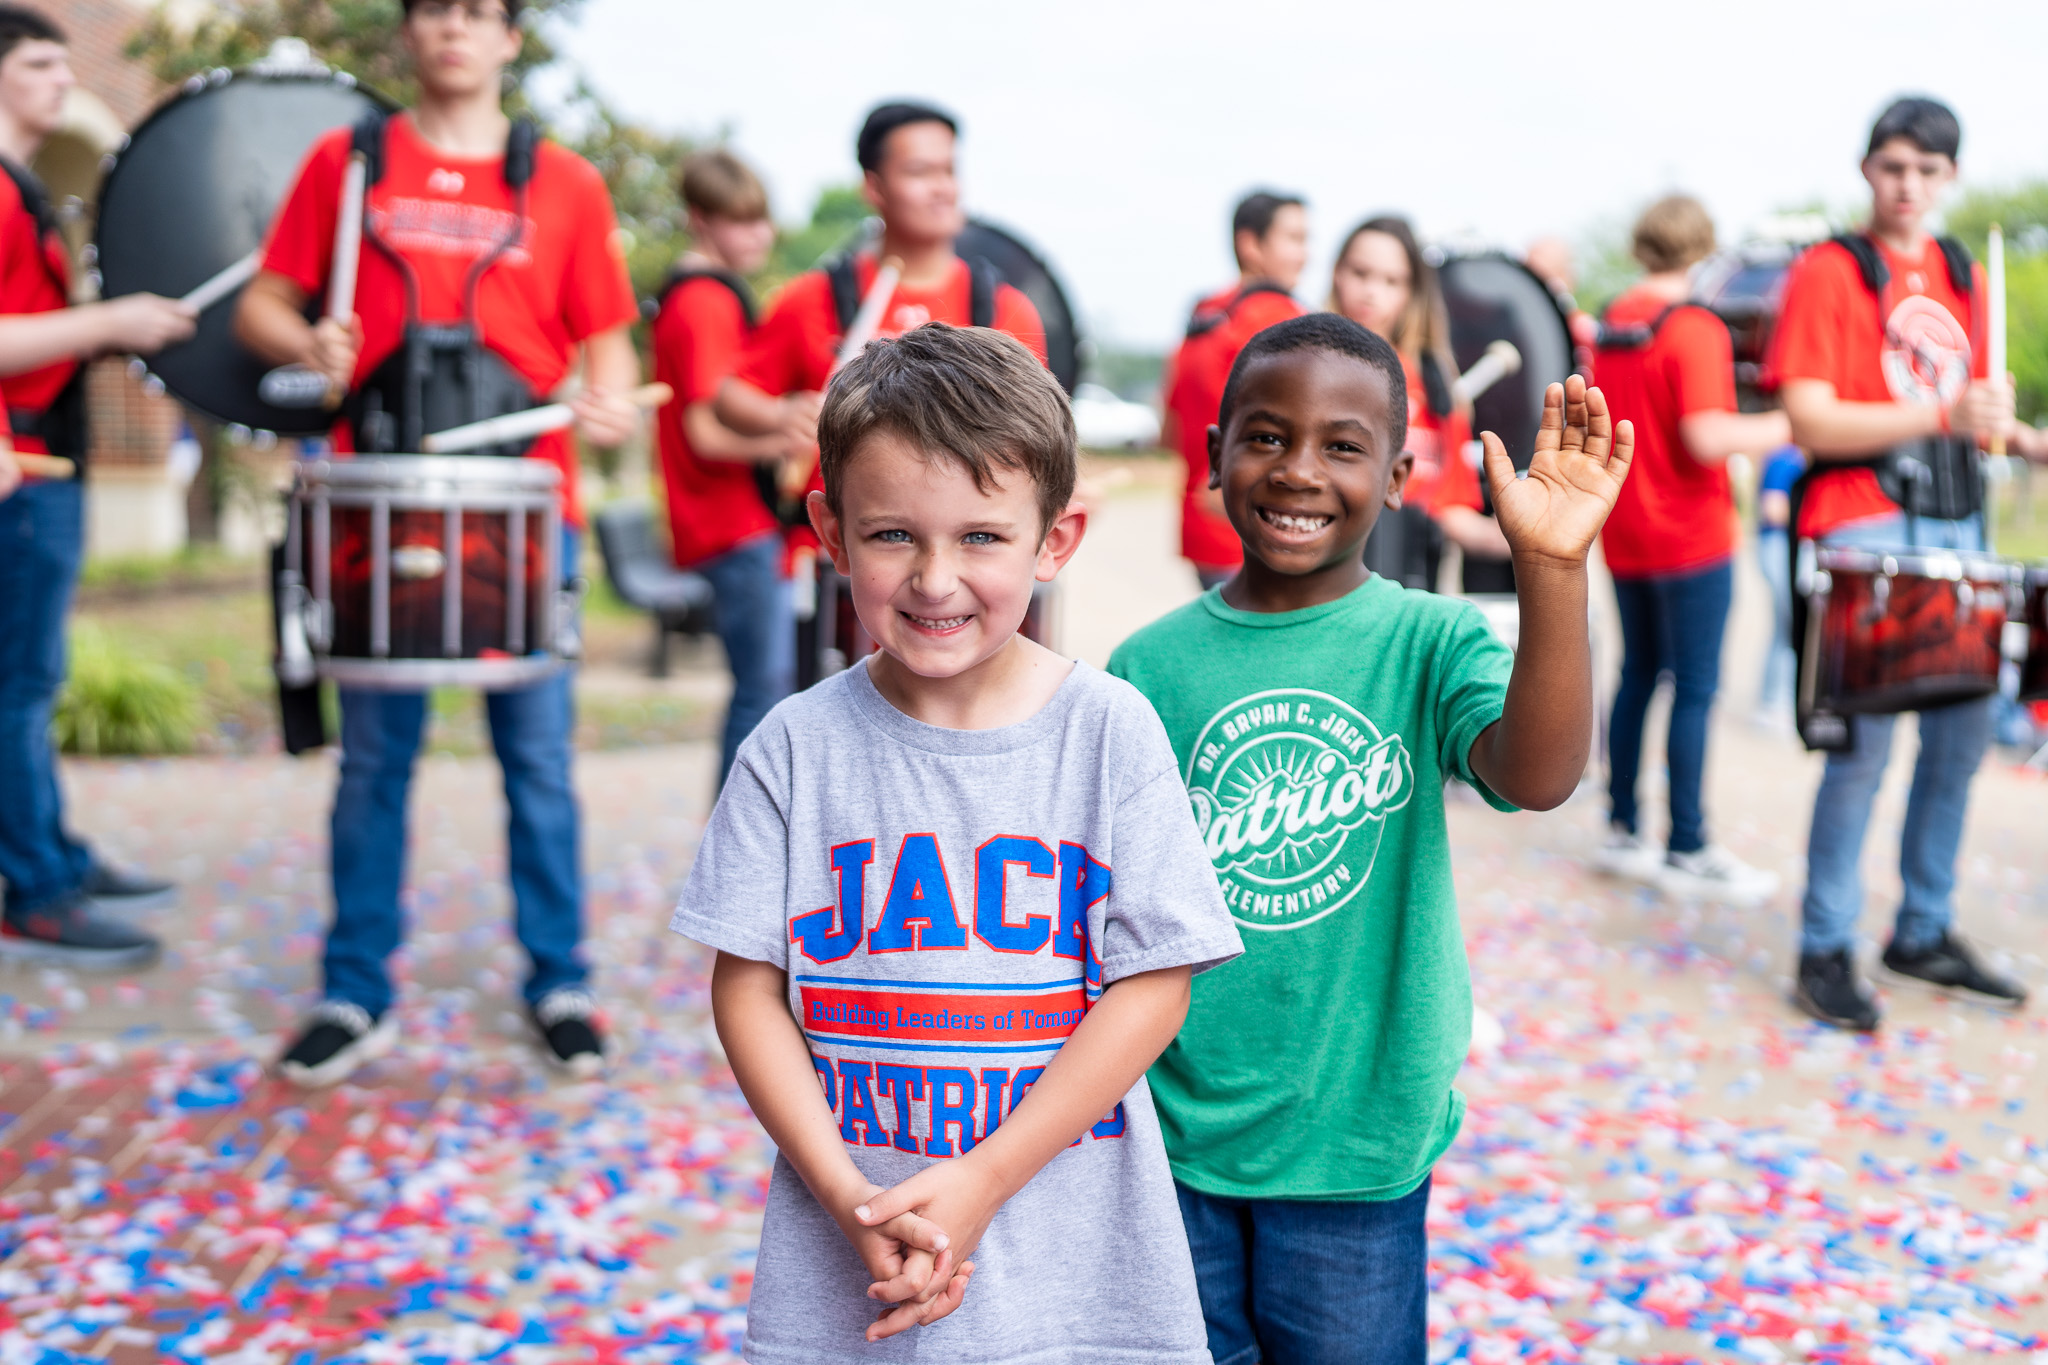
[[1492, 297], [193, 192], [1024, 270]]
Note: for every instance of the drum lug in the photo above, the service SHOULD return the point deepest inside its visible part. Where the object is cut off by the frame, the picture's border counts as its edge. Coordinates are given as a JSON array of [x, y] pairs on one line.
[[568, 641], [1880, 593], [294, 650]]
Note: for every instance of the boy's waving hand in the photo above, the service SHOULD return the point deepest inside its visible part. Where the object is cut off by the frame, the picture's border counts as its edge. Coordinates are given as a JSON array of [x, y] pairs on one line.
[[1580, 461]]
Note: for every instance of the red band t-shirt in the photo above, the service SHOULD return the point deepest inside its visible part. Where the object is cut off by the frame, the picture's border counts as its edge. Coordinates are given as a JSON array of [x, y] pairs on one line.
[[1442, 476], [1675, 514], [1922, 348], [1195, 376], [561, 282], [796, 345], [35, 277], [713, 505]]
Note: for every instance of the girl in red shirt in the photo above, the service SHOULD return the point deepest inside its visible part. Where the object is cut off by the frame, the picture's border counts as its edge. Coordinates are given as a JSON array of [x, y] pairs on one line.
[[1383, 283], [1669, 368]]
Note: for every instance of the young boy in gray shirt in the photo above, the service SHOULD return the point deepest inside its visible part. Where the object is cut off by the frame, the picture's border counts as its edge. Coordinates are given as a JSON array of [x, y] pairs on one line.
[[957, 895]]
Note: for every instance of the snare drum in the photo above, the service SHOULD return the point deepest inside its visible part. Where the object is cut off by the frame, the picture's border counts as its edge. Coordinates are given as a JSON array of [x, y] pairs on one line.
[[832, 638], [2034, 662], [1903, 632], [412, 571]]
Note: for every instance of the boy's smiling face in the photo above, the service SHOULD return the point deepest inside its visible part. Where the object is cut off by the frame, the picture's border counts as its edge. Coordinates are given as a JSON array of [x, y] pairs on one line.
[[1307, 463], [941, 570]]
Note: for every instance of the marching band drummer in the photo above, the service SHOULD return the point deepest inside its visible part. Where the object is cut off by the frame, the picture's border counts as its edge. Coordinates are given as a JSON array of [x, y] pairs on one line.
[[906, 156], [58, 893], [489, 256], [1879, 349]]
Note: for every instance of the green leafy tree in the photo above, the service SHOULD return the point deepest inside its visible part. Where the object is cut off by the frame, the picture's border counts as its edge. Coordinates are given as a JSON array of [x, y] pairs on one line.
[[835, 218], [358, 36]]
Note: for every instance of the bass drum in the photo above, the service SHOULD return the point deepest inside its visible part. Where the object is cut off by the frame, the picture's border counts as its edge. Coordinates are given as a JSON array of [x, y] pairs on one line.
[[1025, 270], [1493, 297], [194, 191]]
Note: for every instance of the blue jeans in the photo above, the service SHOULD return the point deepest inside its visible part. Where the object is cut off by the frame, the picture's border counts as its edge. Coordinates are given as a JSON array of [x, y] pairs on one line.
[[1311, 1282], [756, 623], [531, 731], [1774, 560], [42, 538], [1668, 625], [1952, 744]]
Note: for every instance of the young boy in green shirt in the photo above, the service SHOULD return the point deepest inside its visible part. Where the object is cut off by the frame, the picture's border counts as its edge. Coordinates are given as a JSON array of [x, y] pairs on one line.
[[1316, 711]]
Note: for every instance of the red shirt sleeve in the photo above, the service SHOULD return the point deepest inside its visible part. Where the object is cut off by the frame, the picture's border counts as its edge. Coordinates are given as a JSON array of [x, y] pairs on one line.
[[1813, 321], [1702, 361], [1980, 349], [1018, 316], [700, 334], [782, 356], [302, 235], [599, 296]]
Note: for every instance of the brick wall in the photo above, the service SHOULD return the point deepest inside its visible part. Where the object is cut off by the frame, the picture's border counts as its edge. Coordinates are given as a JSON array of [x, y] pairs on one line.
[[99, 31]]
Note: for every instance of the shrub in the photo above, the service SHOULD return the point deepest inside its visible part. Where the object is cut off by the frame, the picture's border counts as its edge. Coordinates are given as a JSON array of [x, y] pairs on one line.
[[117, 702]]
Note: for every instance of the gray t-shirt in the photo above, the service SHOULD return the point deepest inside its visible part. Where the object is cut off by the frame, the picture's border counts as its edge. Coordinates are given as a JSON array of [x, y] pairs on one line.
[[944, 904]]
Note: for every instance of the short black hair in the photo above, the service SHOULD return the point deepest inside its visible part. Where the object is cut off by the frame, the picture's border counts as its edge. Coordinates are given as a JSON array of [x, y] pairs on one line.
[[1256, 211], [20, 24], [1927, 123], [1338, 335], [885, 119], [512, 8]]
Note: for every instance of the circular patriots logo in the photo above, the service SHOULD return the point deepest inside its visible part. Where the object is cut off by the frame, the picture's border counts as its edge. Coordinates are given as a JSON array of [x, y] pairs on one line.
[[1291, 790], [1926, 353]]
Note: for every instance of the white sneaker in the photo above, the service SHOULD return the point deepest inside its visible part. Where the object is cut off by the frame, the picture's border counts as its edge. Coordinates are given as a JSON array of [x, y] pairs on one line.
[[1628, 856], [1715, 874]]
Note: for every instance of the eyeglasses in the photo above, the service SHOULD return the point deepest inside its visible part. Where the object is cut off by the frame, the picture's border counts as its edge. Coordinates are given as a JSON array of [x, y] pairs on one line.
[[474, 11]]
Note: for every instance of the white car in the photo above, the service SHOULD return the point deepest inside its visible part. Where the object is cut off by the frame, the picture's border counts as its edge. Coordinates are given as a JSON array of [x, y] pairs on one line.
[[1104, 421]]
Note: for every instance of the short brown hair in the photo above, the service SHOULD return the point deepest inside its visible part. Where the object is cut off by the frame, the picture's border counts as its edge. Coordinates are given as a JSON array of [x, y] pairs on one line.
[[1673, 233], [967, 394], [719, 185], [19, 24]]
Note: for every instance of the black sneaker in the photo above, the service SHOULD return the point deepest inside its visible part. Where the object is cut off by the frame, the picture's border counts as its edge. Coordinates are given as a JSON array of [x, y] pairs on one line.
[[125, 892], [1949, 963], [73, 933], [336, 1038], [566, 1019], [1827, 990]]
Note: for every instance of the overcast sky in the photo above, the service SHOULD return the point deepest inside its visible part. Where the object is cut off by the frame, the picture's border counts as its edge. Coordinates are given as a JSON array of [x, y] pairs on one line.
[[1115, 136]]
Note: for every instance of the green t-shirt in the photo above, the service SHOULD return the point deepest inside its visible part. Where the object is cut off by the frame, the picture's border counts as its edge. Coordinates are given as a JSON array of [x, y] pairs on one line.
[[1315, 745]]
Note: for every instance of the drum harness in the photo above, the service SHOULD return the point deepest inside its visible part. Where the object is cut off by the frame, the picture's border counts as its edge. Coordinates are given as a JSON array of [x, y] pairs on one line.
[[440, 375], [1932, 476], [61, 426]]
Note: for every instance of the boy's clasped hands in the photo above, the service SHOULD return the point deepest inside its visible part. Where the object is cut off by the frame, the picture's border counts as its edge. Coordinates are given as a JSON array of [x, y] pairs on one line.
[[921, 1269]]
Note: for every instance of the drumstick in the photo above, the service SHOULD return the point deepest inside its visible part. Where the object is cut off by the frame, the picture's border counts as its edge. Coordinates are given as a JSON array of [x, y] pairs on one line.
[[1994, 271], [223, 283], [1500, 360], [795, 475], [348, 242], [868, 320], [518, 426], [300, 386], [45, 466]]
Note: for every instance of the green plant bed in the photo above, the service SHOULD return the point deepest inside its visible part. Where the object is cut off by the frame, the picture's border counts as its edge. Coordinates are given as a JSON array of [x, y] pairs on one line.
[[119, 701]]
